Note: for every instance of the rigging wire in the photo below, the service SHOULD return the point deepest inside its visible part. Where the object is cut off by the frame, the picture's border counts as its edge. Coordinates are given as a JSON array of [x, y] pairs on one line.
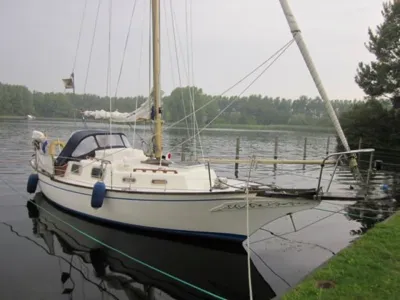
[[169, 44], [300, 242], [190, 87], [91, 47], [247, 87], [178, 65], [125, 47], [237, 83], [108, 88], [79, 37], [302, 228], [140, 70], [189, 27], [150, 73]]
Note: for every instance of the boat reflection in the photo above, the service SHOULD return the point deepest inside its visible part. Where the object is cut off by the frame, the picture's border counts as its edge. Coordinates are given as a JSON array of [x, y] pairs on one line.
[[217, 268], [369, 213]]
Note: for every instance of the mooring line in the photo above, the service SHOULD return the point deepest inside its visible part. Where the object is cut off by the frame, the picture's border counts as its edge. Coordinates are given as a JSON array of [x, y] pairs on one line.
[[119, 251]]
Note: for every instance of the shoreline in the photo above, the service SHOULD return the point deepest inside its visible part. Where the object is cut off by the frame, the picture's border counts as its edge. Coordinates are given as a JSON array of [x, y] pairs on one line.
[[367, 269], [225, 127]]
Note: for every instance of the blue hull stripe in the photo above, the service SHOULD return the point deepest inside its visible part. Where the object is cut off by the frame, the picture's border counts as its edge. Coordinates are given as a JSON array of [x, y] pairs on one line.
[[130, 199], [213, 235]]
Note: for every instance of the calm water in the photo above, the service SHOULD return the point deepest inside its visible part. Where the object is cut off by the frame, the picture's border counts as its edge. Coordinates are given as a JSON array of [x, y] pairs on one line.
[[44, 258]]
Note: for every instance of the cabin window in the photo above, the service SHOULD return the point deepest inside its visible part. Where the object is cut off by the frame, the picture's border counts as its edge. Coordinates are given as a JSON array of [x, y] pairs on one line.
[[97, 172], [128, 179], [87, 145], [159, 181], [106, 140], [76, 169], [126, 142]]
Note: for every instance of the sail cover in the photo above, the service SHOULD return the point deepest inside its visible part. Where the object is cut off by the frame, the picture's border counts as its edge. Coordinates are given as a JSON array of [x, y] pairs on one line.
[[140, 114]]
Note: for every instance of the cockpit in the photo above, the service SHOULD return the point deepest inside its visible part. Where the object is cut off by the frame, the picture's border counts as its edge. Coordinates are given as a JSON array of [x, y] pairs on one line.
[[84, 143]]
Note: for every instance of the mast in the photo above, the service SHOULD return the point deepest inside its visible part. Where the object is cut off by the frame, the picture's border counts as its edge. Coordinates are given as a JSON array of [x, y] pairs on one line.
[[156, 78], [296, 32]]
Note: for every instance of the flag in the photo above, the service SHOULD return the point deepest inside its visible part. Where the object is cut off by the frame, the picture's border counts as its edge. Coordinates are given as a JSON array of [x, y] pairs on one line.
[[69, 82]]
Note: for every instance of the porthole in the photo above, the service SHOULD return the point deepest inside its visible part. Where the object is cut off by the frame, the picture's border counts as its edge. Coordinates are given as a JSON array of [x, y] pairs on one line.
[[159, 181]]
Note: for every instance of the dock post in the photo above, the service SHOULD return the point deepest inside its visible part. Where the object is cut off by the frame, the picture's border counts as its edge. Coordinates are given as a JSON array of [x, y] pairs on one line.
[[328, 143], [237, 157], [183, 150], [276, 151], [305, 152], [359, 147]]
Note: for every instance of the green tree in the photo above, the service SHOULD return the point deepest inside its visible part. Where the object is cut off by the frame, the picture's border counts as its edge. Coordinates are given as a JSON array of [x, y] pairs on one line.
[[17, 100], [382, 76]]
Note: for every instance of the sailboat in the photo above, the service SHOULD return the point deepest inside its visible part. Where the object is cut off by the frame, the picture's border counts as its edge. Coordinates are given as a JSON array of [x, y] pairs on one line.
[[99, 175]]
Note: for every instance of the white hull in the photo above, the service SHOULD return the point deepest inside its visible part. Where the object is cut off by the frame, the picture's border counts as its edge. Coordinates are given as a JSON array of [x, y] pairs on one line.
[[179, 213]]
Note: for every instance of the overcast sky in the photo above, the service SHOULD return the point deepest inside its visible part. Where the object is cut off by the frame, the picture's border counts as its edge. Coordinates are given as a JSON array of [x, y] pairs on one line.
[[230, 38]]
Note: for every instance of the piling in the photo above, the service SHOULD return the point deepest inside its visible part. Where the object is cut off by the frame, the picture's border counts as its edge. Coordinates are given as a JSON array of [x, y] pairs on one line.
[[359, 147], [276, 151], [237, 157], [327, 145], [305, 152], [183, 150]]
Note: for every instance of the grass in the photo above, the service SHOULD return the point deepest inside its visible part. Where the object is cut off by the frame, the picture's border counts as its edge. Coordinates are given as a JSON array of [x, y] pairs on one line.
[[368, 269]]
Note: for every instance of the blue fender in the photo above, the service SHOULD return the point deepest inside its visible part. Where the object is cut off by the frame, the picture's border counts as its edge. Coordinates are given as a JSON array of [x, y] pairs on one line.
[[98, 194], [32, 183]]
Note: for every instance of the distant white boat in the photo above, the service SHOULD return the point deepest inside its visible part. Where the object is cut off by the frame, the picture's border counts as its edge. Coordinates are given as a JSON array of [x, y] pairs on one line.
[[30, 117]]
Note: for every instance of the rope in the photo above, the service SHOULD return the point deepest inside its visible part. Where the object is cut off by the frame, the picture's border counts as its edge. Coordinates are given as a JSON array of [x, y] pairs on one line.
[[248, 231], [233, 101], [117, 250]]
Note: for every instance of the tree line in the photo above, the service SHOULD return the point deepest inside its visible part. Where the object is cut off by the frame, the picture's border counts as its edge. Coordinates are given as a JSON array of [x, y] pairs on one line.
[[17, 100], [377, 120]]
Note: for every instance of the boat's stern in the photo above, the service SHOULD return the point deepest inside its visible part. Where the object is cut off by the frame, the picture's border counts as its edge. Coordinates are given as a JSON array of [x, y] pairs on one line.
[[41, 160]]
